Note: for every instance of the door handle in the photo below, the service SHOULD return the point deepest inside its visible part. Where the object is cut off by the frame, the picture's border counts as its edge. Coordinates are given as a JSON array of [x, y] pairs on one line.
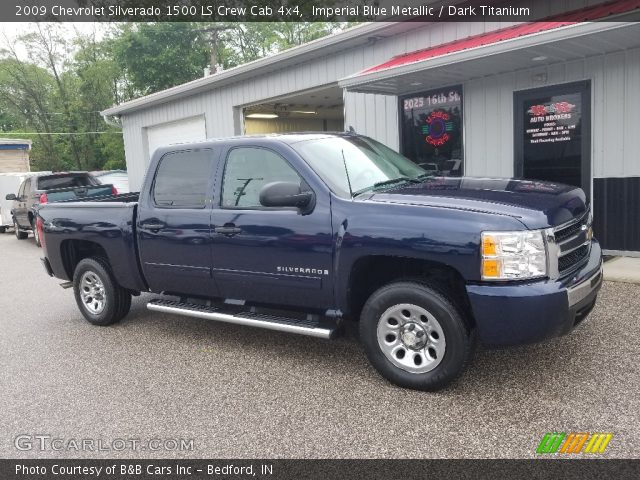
[[154, 227], [228, 229]]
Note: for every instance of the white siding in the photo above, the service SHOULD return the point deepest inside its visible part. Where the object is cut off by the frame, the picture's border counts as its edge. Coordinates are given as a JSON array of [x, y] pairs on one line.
[[615, 113], [488, 102], [374, 116]]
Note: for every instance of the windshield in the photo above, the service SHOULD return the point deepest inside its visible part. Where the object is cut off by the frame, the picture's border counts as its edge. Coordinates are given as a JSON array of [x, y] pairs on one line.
[[370, 164]]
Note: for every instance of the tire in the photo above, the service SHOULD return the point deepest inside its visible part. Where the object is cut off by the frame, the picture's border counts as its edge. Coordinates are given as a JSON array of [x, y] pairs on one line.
[[111, 303], [3, 229], [424, 324], [20, 235], [36, 234]]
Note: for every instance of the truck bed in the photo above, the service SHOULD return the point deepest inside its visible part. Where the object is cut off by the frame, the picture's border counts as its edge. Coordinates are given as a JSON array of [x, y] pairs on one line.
[[105, 224]]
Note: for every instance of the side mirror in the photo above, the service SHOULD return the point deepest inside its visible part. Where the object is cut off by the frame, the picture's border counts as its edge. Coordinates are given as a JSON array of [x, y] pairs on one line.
[[286, 194], [10, 196]]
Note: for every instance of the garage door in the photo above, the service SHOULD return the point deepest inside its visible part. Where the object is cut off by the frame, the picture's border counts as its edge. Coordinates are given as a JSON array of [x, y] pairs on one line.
[[186, 130]]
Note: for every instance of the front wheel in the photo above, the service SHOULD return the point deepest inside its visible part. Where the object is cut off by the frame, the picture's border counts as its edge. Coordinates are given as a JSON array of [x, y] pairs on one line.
[[100, 299], [415, 336]]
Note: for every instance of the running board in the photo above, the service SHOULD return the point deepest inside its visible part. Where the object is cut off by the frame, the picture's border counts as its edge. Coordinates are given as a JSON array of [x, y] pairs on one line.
[[312, 328]]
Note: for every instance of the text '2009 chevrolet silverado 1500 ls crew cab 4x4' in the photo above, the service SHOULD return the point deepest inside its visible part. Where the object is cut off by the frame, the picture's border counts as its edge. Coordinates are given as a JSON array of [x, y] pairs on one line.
[[297, 232]]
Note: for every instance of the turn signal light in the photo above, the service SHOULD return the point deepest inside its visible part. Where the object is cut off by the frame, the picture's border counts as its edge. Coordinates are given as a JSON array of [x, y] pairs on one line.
[[488, 246], [490, 268]]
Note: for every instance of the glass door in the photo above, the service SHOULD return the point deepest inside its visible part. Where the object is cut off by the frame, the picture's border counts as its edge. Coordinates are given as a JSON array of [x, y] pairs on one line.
[[553, 134]]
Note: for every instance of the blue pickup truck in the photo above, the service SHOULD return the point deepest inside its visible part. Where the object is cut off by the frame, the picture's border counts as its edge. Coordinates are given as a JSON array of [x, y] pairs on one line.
[[300, 232]]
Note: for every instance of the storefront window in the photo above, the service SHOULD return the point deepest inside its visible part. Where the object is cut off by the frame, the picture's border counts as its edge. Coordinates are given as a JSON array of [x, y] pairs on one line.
[[552, 134], [431, 130]]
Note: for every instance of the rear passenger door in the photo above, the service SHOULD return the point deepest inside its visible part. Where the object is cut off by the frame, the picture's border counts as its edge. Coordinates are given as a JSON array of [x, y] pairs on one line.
[[270, 255], [20, 206], [173, 224]]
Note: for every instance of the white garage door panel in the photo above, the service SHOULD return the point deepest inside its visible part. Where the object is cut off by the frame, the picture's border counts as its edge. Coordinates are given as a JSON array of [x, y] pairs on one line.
[[186, 130]]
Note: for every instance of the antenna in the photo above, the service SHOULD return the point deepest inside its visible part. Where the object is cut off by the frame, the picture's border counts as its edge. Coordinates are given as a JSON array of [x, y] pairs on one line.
[[346, 170]]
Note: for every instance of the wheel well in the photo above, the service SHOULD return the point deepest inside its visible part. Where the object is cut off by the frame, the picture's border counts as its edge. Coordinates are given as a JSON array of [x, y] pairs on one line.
[[72, 251], [370, 273]]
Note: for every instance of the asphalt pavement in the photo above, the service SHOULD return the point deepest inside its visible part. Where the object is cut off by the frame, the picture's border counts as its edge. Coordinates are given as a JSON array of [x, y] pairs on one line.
[[239, 392]]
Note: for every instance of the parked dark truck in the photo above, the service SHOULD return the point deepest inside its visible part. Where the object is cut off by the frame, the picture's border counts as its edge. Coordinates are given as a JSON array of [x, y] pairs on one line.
[[47, 188], [297, 232]]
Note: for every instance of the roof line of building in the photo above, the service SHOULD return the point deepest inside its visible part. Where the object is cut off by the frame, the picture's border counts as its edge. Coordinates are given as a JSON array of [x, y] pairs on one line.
[[307, 50]]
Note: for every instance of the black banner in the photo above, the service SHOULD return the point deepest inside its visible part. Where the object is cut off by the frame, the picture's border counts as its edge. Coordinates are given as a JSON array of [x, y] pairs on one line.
[[301, 10], [319, 469]]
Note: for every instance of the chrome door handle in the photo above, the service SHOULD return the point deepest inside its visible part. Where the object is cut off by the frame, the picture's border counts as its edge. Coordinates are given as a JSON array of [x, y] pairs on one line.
[[229, 230]]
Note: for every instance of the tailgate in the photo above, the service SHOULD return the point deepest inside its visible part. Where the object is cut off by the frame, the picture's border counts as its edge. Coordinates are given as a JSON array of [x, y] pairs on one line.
[[78, 193]]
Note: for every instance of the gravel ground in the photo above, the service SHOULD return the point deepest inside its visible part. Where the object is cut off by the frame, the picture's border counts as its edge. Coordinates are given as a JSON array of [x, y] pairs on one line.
[[244, 393]]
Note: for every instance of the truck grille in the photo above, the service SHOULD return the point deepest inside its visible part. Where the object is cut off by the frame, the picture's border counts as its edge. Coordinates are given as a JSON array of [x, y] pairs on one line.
[[574, 258], [569, 231], [574, 244]]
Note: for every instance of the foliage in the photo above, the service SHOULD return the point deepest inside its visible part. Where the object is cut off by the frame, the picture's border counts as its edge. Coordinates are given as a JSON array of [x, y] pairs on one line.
[[54, 93]]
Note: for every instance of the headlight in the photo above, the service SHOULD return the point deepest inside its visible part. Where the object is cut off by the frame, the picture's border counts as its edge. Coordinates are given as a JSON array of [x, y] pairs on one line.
[[513, 255]]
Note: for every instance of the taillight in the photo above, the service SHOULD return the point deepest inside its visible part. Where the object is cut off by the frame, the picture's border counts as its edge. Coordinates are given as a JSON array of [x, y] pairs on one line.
[[40, 228], [114, 190], [43, 198]]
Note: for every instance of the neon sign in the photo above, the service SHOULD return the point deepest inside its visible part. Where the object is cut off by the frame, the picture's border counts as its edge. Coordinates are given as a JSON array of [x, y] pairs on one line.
[[437, 126]]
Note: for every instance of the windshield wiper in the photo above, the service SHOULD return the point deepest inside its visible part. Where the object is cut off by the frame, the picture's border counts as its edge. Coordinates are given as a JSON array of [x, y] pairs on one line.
[[425, 175], [383, 183]]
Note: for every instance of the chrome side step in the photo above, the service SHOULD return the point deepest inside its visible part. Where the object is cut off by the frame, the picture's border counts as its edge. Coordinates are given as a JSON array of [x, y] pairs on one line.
[[310, 327]]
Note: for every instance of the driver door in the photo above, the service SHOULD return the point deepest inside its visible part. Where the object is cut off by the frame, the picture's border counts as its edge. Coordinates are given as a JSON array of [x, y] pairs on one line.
[[272, 255]]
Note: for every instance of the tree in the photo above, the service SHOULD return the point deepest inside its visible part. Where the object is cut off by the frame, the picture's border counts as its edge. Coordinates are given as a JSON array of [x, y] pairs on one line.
[[54, 93], [57, 91], [156, 56]]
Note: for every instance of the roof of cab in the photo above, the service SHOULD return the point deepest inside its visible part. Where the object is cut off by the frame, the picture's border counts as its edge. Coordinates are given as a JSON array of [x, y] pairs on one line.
[[286, 138]]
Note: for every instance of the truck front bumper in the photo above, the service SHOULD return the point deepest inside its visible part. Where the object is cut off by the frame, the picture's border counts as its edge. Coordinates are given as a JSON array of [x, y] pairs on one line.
[[523, 313]]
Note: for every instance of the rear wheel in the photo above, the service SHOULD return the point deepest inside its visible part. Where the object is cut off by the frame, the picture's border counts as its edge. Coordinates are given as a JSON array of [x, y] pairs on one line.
[[100, 299], [415, 336], [20, 235], [36, 234], [3, 229]]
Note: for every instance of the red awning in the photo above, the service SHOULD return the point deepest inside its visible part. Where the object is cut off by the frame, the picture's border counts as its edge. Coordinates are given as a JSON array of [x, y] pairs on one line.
[[598, 12]]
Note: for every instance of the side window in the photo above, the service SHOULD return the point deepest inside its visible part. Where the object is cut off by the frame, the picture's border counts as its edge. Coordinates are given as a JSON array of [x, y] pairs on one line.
[[249, 169], [182, 179]]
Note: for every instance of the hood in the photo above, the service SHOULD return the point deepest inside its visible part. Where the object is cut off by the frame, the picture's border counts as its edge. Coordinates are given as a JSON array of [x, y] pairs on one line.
[[536, 204]]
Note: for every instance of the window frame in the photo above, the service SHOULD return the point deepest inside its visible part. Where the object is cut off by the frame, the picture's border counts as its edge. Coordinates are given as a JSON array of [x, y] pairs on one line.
[[425, 93], [21, 189], [221, 205], [27, 188], [208, 191]]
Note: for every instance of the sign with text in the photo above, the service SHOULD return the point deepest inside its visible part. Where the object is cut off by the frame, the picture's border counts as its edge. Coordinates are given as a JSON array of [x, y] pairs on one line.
[[552, 134], [431, 129]]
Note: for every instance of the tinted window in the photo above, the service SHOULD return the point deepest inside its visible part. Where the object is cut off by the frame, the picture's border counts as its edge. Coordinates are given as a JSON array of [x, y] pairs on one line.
[[51, 182], [250, 169], [182, 179]]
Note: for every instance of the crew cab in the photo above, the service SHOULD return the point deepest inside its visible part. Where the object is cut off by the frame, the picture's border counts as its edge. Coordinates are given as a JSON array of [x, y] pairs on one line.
[[50, 187], [301, 232]]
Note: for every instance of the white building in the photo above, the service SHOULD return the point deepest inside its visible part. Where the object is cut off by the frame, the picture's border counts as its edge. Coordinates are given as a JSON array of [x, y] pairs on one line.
[[548, 100], [14, 155]]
